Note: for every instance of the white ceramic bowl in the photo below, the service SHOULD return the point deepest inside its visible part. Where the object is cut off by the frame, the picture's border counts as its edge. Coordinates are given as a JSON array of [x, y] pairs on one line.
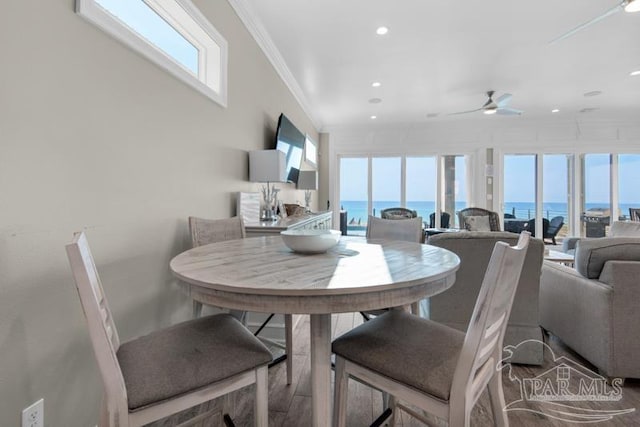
[[310, 241]]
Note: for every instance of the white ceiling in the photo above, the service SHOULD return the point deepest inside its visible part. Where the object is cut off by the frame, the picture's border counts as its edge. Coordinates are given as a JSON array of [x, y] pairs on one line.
[[442, 56]]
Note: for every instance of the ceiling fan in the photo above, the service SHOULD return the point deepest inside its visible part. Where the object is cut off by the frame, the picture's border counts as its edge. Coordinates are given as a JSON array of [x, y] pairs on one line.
[[499, 106], [626, 5]]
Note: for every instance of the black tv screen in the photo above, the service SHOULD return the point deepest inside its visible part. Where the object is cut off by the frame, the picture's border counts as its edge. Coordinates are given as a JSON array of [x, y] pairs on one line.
[[290, 141]]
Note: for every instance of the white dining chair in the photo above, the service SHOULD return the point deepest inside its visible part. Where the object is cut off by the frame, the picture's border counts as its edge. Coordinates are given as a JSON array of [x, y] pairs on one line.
[[408, 229], [169, 370], [204, 231], [443, 371]]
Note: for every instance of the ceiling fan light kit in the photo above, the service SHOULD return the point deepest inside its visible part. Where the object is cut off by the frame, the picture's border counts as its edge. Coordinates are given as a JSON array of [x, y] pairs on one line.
[[499, 106]]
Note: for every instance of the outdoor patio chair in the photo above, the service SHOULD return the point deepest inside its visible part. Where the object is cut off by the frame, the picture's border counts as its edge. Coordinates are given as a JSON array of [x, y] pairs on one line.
[[469, 218], [555, 225], [444, 220], [398, 213]]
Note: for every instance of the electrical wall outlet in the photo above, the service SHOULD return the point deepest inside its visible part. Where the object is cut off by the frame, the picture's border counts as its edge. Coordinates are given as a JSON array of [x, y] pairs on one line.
[[33, 416]]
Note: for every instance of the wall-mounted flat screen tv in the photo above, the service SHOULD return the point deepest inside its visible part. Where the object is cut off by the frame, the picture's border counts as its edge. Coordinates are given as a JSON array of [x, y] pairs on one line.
[[290, 141]]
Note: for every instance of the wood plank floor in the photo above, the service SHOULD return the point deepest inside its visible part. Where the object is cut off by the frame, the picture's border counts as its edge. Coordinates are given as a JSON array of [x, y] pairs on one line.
[[290, 406]]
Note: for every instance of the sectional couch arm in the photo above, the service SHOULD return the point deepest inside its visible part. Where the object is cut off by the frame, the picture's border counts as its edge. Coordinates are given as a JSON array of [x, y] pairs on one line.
[[624, 278], [576, 310], [598, 318]]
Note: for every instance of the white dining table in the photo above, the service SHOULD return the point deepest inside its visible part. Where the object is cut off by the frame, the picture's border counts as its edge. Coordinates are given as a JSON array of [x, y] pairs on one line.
[[261, 274]]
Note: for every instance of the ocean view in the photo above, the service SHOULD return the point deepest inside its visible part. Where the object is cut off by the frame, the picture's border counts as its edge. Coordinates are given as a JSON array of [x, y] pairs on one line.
[[357, 209]]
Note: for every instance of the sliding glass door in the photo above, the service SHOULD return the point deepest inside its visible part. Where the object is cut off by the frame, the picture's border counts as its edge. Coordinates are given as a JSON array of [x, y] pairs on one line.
[[629, 186], [421, 183], [354, 192], [369, 184], [386, 183], [556, 194]]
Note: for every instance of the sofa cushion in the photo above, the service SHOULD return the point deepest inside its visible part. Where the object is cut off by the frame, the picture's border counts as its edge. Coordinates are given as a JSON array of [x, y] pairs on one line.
[[592, 254], [477, 223], [625, 229]]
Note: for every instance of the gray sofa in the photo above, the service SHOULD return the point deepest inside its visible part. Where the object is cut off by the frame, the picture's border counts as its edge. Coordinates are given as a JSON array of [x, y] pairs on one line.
[[455, 306], [595, 307], [617, 229]]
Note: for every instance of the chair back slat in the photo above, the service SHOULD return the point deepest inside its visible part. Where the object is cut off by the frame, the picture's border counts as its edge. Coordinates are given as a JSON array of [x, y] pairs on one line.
[[482, 347], [102, 330], [205, 231], [408, 230]]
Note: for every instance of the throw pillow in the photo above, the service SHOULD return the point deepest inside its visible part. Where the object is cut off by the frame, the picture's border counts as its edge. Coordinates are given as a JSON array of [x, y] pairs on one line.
[[477, 223]]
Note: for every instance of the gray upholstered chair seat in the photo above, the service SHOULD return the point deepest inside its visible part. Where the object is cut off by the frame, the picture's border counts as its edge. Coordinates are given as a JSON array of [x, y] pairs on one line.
[[187, 356], [406, 348]]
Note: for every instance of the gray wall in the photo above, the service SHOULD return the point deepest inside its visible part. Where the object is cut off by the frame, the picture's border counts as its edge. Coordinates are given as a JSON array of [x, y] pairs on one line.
[[94, 137]]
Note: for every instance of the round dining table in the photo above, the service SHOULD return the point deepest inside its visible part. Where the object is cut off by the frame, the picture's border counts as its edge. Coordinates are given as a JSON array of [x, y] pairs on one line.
[[262, 274]]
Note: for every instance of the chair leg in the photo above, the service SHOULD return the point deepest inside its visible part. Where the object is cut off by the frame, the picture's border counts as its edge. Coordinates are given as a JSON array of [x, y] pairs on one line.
[[459, 418], [104, 413], [261, 401], [393, 405], [288, 341], [228, 405], [197, 309], [496, 396], [415, 308], [340, 394]]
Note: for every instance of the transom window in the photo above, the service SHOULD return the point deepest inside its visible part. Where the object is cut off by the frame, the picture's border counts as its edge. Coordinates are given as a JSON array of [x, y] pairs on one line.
[[171, 33]]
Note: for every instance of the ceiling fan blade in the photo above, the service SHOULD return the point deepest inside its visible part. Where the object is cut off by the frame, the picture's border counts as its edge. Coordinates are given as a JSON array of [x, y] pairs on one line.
[[581, 27], [503, 100], [505, 111], [464, 112]]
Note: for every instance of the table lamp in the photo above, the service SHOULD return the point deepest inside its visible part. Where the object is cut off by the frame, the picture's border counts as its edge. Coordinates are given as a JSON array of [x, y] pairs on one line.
[[268, 166], [307, 181]]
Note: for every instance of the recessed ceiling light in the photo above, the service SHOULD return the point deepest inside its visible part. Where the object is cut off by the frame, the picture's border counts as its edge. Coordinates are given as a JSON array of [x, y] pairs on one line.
[[593, 93], [589, 109], [375, 101], [555, 110], [374, 117], [635, 73], [632, 6], [432, 115], [381, 31], [376, 84]]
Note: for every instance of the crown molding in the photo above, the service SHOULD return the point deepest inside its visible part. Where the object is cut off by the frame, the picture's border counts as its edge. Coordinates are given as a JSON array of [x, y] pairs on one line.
[[253, 24]]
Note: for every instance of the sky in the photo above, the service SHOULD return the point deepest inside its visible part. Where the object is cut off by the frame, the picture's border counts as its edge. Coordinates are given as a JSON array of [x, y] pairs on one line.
[[146, 22]]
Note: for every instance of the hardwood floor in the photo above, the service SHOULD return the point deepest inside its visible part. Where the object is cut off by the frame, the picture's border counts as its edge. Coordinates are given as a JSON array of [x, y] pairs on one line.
[[290, 406]]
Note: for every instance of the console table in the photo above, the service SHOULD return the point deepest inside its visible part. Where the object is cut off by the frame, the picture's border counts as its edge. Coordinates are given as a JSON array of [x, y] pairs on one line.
[[313, 220]]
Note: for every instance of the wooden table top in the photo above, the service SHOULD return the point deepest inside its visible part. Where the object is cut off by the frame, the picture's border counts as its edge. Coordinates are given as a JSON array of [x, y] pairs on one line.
[[558, 256], [265, 266]]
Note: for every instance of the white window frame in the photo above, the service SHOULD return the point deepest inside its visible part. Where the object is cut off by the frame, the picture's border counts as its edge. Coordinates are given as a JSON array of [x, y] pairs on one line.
[[190, 23]]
